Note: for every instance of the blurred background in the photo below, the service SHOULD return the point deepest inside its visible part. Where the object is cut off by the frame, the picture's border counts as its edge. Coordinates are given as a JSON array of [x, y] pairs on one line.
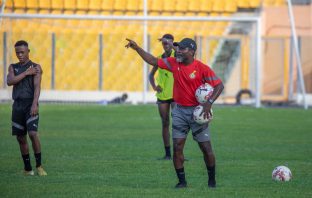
[[84, 60]]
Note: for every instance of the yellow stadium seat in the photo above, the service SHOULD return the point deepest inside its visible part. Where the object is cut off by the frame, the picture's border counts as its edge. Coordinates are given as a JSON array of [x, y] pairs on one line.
[[70, 5], [280, 2], [268, 2], [9, 4], [57, 4], [243, 3], [205, 6], [95, 4], [44, 4], [107, 5], [230, 6], [218, 6], [194, 6], [82, 4], [255, 3], [19, 4], [169, 5], [181, 6], [133, 5], [156, 5], [32, 4], [120, 5]]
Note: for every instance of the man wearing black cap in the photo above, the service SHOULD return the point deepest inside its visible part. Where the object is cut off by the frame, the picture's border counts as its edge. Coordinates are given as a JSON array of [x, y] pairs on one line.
[[164, 90], [188, 74]]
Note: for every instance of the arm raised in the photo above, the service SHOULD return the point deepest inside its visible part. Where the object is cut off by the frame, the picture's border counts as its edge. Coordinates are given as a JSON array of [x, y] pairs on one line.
[[147, 57]]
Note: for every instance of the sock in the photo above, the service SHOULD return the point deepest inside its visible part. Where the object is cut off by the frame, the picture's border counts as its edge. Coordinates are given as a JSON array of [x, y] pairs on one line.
[[167, 149], [211, 173], [27, 165], [181, 175], [38, 159]]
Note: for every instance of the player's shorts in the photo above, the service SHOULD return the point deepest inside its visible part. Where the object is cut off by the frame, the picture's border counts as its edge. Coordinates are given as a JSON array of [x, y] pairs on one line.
[[182, 122], [169, 101], [22, 121]]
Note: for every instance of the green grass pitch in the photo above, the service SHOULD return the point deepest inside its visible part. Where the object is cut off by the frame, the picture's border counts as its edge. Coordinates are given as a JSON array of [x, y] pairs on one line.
[[112, 151]]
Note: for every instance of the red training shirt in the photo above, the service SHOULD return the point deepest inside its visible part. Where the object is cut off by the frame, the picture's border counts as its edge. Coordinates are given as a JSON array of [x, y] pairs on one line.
[[187, 78]]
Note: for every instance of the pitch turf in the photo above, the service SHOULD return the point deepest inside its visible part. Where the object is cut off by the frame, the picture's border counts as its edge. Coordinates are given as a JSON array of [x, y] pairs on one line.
[[111, 151]]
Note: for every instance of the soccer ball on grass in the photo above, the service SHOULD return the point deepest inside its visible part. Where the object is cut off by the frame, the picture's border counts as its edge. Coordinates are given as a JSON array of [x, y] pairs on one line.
[[281, 173]]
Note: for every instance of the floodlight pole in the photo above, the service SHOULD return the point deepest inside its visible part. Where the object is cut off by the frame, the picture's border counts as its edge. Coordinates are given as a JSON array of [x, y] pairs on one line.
[[295, 42]]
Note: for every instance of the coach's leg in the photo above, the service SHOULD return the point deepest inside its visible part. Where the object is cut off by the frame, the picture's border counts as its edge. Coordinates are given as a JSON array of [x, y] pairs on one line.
[[22, 141], [209, 161], [178, 160], [164, 110]]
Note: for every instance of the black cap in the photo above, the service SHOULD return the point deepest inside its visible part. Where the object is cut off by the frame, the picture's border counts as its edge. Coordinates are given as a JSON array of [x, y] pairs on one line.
[[186, 43], [167, 36]]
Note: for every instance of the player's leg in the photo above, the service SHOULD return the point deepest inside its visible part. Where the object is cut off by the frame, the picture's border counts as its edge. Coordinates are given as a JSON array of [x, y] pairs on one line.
[[32, 127], [164, 111], [201, 134], [180, 129], [19, 130], [209, 158]]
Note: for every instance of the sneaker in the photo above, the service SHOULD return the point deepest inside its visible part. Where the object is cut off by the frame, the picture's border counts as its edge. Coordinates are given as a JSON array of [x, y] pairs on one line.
[[212, 184], [29, 173], [181, 185], [41, 171]]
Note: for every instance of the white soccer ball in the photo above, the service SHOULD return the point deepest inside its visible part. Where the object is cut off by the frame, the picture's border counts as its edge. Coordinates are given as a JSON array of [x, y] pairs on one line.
[[281, 173], [199, 117], [203, 92]]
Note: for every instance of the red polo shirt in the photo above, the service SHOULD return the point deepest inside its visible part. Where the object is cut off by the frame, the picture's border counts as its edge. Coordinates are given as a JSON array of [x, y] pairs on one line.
[[187, 78]]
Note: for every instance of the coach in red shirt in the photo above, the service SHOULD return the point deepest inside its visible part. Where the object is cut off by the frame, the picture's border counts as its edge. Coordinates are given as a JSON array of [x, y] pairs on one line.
[[188, 74]]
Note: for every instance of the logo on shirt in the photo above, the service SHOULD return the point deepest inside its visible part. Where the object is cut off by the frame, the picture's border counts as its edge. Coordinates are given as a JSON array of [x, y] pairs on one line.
[[192, 75], [16, 70]]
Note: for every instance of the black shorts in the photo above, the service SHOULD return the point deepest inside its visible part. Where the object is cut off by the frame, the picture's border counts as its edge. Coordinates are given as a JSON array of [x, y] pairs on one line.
[[22, 121], [169, 101]]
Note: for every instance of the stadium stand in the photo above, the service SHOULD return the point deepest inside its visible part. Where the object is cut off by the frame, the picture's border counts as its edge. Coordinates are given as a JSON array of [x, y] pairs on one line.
[[77, 41]]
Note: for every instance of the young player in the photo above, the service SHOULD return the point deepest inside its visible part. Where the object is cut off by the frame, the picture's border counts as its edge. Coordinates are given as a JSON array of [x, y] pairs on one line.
[[25, 76]]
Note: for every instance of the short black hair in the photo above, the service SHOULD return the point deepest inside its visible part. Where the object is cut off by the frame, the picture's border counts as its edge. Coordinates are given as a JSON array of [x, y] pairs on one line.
[[21, 43], [168, 36]]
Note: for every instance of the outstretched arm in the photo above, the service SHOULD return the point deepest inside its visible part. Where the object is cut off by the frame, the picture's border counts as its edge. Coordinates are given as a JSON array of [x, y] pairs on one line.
[[12, 79], [150, 59]]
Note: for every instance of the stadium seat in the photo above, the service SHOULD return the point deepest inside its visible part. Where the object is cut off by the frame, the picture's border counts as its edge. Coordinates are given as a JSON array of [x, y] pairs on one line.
[[57, 4], [194, 6], [156, 5], [255, 3], [32, 4], [218, 6], [243, 3], [9, 4], [95, 4], [120, 5], [19, 4], [70, 5], [44, 4], [205, 6], [230, 6], [169, 5], [107, 5], [82, 5], [133, 5], [181, 6]]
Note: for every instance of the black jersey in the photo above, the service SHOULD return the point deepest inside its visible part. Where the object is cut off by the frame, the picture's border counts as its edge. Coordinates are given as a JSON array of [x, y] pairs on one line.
[[24, 89]]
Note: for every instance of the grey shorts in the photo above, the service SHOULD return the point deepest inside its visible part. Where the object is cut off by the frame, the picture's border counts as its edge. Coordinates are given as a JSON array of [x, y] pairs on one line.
[[182, 122]]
